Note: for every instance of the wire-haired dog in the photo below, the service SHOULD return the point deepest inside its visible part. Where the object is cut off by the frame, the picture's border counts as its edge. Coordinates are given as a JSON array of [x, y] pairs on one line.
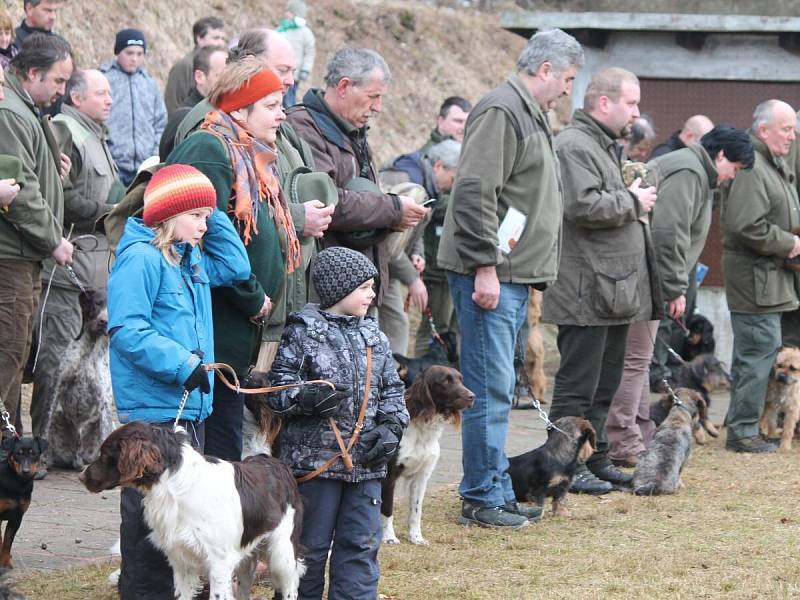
[[7, 591], [438, 396], [81, 412], [704, 374], [16, 485], [659, 470], [209, 517], [547, 471], [783, 397]]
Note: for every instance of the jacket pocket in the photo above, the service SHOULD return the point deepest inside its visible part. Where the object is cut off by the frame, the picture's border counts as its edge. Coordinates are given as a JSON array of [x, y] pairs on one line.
[[616, 296], [774, 286]]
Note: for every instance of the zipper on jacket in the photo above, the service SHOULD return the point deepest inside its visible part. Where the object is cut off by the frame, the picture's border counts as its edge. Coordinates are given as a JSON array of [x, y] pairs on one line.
[[354, 360], [133, 123]]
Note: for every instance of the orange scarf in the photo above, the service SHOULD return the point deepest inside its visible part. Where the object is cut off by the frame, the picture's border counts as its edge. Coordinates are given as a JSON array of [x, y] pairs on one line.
[[255, 177]]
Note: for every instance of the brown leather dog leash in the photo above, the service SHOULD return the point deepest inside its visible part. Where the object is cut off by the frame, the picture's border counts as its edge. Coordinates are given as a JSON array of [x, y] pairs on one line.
[[344, 449]]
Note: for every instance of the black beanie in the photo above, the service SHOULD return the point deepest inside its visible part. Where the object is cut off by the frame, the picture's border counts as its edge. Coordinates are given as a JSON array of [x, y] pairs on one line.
[[338, 271], [129, 37]]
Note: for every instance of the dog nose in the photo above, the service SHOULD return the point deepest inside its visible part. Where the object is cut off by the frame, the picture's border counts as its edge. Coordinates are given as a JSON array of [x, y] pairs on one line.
[[82, 476]]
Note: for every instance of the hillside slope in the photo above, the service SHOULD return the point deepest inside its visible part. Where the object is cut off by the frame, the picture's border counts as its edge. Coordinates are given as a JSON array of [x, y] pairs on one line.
[[432, 52]]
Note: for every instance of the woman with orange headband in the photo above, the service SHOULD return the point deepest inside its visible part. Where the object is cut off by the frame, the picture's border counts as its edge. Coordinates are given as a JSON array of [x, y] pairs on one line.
[[235, 148]]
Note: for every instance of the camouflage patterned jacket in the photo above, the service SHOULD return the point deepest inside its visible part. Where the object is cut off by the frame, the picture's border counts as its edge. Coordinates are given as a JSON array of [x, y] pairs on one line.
[[320, 345]]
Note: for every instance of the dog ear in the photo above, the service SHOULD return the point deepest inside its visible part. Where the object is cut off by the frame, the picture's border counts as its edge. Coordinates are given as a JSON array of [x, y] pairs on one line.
[[41, 444], [419, 401], [8, 443], [588, 441], [137, 456]]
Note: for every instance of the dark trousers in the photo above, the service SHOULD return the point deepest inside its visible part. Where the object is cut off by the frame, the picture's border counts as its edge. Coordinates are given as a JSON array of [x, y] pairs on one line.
[[592, 360], [224, 425], [20, 287], [790, 328], [145, 573], [349, 515]]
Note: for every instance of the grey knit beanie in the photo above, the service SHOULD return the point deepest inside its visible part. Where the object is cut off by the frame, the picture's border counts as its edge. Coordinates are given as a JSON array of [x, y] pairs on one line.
[[337, 271]]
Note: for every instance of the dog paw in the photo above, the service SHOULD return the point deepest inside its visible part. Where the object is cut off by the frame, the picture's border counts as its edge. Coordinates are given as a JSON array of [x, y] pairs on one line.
[[391, 541], [418, 540]]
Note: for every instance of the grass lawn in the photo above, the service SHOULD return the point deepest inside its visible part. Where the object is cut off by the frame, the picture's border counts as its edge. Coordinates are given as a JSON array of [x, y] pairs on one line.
[[733, 532]]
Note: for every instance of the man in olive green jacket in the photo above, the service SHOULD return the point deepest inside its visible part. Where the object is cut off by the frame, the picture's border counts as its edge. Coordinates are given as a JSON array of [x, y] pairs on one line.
[[450, 123], [502, 234], [679, 221], [30, 230], [759, 214], [90, 191], [790, 321], [607, 278]]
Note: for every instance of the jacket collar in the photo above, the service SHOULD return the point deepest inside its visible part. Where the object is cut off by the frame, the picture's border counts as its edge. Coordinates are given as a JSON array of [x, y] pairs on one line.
[[592, 127], [335, 129], [97, 129], [15, 84], [318, 321], [530, 102], [707, 162], [776, 161]]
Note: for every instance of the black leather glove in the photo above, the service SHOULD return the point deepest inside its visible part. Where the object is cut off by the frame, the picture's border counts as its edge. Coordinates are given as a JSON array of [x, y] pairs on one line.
[[198, 379], [319, 400], [377, 446]]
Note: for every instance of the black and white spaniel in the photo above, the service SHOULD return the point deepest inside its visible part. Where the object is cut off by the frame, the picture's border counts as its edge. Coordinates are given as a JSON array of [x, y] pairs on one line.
[[209, 517], [436, 397]]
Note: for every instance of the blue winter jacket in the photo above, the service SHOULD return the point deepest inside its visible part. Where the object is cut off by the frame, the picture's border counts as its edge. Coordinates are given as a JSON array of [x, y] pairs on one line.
[[138, 117], [159, 316]]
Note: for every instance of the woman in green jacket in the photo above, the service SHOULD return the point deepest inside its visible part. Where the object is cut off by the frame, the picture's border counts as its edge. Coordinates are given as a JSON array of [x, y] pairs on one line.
[[235, 148]]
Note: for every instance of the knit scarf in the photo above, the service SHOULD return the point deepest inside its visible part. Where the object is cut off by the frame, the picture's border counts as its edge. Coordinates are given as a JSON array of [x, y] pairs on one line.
[[255, 177], [287, 24]]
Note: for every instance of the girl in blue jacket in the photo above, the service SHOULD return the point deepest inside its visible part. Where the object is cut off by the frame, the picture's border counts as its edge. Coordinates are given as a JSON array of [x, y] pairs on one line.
[[159, 308]]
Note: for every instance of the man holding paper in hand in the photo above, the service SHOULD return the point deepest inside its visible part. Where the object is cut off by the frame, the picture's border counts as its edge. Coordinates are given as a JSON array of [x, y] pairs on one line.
[[501, 235], [605, 278]]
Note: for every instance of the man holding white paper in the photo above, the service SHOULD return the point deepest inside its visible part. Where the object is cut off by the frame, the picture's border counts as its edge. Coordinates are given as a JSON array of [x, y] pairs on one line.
[[502, 234], [607, 278]]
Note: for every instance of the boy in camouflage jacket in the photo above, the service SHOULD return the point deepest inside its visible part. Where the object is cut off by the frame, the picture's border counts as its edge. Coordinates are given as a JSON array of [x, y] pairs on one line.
[[330, 341]]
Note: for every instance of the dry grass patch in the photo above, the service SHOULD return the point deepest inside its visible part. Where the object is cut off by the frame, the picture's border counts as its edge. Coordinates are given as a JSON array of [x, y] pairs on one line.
[[732, 533]]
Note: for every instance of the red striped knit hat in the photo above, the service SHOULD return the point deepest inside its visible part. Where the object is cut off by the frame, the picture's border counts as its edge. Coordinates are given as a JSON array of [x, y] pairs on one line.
[[176, 189]]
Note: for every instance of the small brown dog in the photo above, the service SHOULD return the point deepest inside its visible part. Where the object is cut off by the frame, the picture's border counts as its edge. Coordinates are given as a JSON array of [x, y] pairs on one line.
[[783, 397]]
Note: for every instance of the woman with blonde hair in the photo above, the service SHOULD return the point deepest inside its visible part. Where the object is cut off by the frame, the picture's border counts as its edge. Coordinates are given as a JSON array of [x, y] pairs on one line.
[[8, 49], [236, 148]]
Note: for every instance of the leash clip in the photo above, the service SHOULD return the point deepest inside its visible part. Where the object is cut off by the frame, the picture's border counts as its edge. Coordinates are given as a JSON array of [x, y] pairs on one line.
[[181, 406], [7, 423]]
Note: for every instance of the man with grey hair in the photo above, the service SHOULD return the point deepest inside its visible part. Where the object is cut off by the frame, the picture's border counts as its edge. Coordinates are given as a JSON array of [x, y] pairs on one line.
[[607, 263], [334, 123], [759, 215], [90, 190], [501, 234], [432, 175]]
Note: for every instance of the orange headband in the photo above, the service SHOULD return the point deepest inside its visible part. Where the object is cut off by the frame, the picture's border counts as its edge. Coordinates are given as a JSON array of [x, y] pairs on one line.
[[259, 85]]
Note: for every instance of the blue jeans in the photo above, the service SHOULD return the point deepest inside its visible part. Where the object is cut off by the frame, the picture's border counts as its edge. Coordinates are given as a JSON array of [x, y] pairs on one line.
[[488, 338]]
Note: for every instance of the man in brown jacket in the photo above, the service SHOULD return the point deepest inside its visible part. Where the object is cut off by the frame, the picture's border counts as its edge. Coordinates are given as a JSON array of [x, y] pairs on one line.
[[334, 123], [604, 278], [502, 234], [759, 214]]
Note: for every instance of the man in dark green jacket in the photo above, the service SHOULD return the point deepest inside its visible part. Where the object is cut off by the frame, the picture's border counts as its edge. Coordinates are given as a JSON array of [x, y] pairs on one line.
[[450, 122], [682, 217], [759, 214], [30, 230], [790, 321], [502, 234], [607, 277], [679, 221]]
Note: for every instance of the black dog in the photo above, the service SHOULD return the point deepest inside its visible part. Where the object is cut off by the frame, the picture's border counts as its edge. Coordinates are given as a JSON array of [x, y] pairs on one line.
[[444, 353], [547, 471], [16, 486], [700, 338]]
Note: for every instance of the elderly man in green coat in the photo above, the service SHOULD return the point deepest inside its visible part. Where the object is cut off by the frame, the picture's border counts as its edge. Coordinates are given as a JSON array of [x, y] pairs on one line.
[[759, 214], [679, 221]]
